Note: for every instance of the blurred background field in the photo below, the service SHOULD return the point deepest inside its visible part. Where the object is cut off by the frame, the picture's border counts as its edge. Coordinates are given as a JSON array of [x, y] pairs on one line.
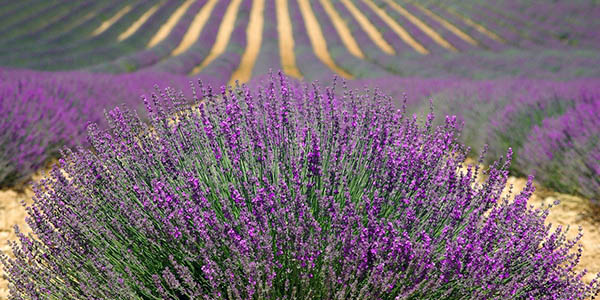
[[520, 74]]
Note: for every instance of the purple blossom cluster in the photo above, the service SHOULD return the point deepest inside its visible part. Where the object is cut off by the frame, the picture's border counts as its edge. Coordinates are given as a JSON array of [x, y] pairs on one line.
[[285, 191]]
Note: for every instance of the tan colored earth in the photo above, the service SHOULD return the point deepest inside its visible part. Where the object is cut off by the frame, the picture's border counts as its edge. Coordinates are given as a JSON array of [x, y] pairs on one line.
[[572, 211]]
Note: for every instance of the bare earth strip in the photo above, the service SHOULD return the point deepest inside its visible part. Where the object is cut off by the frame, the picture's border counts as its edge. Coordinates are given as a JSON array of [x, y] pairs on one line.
[[223, 36], [195, 29], [461, 34], [12, 213], [369, 28], [317, 39], [342, 30], [286, 40], [401, 32], [475, 25], [82, 20], [572, 212], [421, 25], [166, 28], [138, 23], [106, 24], [254, 34]]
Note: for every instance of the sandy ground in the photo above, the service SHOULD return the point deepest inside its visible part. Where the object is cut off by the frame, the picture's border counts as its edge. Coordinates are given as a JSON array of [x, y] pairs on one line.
[[317, 39], [168, 26], [572, 211], [11, 213], [254, 40], [106, 24], [286, 40]]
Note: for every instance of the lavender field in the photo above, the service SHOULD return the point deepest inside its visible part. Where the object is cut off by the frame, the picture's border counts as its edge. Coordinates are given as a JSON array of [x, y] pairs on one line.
[[299, 149]]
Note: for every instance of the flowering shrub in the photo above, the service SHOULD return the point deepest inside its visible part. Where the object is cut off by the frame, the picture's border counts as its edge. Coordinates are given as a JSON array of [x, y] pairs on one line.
[[286, 192]]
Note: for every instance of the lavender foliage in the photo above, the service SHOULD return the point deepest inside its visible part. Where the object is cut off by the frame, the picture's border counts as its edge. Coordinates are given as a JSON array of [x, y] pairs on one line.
[[288, 191]]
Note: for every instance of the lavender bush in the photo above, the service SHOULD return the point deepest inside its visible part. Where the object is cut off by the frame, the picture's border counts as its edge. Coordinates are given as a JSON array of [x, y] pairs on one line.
[[289, 192]]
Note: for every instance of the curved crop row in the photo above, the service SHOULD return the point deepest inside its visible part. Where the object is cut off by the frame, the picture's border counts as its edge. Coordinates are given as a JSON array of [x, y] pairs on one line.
[[39, 39], [151, 55], [564, 151], [356, 66], [131, 46], [65, 103], [225, 57], [307, 62], [477, 31], [94, 49], [269, 58], [546, 123], [66, 42], [196, 53]]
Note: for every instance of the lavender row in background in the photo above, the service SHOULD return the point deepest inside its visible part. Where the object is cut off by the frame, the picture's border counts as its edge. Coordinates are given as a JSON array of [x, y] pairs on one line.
[[521, 113], [64, 104]]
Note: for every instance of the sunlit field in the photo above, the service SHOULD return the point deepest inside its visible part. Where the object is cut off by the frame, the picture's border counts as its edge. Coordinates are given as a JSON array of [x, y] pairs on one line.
[[299, 149]]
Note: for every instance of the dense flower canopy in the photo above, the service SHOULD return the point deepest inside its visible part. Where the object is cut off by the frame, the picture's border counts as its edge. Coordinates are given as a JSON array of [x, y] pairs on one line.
[[287, 191]]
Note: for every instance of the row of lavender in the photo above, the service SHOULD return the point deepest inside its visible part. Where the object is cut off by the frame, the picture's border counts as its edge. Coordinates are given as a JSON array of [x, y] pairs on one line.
[[552, 126], [286, 192], [537, 20], [42, 112]]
